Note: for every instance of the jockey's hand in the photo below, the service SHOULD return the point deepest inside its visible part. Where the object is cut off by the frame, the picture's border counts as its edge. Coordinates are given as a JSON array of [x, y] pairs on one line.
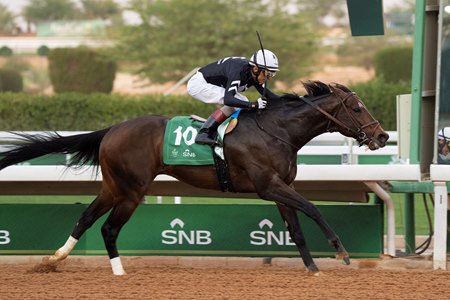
[[261, 103], [258, 104]]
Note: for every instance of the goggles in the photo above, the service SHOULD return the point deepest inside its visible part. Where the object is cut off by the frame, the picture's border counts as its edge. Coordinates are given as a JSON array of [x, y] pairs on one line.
[[268, 73]]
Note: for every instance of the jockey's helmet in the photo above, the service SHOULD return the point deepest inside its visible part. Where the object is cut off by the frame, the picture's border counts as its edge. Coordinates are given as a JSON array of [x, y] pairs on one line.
[[444, 134], [268, 60]]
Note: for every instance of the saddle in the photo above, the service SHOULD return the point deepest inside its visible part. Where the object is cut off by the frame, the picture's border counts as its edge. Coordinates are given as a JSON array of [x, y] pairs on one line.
[[180, 147]]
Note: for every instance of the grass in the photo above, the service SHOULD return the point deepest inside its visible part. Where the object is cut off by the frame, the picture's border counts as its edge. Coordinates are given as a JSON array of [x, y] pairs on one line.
[[421, 221]]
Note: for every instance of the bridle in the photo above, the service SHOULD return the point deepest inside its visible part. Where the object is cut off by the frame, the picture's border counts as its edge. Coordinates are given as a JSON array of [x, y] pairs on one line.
[[357, 130]]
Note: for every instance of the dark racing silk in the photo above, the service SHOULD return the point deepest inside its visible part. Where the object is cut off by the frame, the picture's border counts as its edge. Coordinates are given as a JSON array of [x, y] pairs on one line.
[[233, 74]]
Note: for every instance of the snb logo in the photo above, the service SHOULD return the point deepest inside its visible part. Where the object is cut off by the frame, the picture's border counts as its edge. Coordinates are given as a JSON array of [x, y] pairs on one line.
[[180, 236], [269, 237], [4, 237]]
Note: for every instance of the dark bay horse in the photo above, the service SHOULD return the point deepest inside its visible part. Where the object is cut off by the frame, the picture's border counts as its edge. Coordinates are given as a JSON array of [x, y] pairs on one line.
[[261, 154]]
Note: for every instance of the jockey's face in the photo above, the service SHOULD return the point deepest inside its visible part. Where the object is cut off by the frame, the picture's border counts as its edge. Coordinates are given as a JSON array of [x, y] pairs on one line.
[[263, 76]]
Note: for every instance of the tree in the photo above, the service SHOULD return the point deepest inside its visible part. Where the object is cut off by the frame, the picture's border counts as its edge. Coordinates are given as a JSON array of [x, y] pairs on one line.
[[49, 10], [176, 36], [323, 8], [103, 9], [7, 24]]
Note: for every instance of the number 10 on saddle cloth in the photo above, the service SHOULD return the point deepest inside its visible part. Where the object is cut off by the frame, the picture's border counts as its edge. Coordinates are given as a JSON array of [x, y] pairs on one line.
[[179, 142]]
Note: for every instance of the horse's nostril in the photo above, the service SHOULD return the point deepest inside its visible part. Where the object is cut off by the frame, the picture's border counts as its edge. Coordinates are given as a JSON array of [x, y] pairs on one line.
[[383, 138]]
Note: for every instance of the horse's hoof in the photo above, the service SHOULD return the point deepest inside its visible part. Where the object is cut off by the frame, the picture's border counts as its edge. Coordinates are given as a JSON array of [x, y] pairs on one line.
[[119, 273], [344, 257], [346, 260], [50, 259], [312, 270], [315, 273]]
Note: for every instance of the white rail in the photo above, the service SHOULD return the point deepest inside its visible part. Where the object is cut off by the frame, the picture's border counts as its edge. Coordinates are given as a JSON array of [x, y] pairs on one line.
[[327, 144], [440, 175]]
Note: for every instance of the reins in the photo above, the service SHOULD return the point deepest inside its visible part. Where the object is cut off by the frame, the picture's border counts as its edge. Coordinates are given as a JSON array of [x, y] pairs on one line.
[[358, 130], [273, 135]]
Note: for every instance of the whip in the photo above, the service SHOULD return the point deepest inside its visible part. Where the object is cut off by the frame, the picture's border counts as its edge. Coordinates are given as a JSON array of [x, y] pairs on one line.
[[265, 65]]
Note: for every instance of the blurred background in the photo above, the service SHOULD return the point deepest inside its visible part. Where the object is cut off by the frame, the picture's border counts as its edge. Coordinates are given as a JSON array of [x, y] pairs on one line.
[[143, 47]]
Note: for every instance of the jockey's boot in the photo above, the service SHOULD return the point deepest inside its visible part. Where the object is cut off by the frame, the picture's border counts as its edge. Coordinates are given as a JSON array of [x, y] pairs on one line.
[[206, 133]]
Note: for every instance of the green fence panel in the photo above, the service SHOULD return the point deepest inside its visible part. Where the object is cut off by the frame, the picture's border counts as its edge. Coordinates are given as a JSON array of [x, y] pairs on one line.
[[206, 230], [36, 229], [374, 159], [319, 159], [51, 159]]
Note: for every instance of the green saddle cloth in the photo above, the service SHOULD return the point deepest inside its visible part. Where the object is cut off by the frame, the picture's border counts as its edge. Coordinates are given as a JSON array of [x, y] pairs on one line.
[[179, 144]]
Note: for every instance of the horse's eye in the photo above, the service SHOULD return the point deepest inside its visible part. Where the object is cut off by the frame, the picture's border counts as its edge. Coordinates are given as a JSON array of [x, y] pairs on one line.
[[357, 109]]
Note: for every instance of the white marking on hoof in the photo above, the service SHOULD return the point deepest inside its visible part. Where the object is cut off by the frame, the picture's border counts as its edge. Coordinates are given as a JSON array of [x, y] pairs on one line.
[[68, 246], [64, 251], [117, 267]]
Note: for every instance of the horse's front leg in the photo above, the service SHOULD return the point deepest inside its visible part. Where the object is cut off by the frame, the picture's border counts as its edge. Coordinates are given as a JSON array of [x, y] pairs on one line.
[[290, 218], [277, 190]]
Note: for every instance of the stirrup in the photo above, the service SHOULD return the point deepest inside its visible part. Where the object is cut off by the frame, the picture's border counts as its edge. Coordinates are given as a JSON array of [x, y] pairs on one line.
[[204, 139]]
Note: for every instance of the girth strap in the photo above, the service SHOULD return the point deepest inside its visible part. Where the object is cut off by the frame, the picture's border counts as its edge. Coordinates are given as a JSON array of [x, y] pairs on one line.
[[223, 174]]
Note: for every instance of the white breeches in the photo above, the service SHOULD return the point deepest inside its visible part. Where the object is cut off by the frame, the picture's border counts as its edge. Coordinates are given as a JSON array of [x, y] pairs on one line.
[[198, 88]]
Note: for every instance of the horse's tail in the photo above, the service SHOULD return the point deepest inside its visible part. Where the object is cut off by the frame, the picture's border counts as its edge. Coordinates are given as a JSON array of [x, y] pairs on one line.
[[84, 147]]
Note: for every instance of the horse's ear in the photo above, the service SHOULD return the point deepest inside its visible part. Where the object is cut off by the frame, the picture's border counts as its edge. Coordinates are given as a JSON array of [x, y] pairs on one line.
[[336, 90]]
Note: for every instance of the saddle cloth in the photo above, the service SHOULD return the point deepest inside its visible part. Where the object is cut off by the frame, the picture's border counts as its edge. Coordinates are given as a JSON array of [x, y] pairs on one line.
[[179, 141]]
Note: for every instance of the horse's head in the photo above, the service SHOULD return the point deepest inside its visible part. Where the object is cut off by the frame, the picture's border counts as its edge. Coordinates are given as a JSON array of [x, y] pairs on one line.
[[354, 120]]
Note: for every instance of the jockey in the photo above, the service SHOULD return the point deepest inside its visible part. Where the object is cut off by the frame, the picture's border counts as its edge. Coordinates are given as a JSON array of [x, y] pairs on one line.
[[223, 81], [444, 146]]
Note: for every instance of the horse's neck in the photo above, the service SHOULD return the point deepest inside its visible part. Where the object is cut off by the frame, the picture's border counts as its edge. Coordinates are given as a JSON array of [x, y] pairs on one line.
[[299, 125]]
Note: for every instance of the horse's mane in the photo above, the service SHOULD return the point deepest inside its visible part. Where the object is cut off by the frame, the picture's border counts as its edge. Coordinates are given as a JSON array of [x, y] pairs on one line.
[[315, 88]]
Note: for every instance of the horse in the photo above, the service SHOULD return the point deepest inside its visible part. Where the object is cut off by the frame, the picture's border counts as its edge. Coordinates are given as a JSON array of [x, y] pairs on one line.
[[260, 152]]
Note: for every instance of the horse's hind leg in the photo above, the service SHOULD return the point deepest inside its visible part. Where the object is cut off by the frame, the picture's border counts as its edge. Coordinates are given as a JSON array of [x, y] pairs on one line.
[[119, 215], [290, 217], [95, 210]]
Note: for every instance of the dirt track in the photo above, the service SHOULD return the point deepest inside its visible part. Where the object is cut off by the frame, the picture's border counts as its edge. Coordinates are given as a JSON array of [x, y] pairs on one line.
[[78, 279]]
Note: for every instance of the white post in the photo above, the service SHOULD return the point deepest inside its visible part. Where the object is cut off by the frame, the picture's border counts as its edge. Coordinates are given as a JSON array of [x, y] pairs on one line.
[[390, 211], [440, 226], [177, 200], [159, 199]]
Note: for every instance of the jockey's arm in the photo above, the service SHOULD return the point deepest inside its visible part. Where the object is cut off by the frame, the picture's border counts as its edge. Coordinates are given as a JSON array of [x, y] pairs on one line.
[[268, 93], [229, 98]]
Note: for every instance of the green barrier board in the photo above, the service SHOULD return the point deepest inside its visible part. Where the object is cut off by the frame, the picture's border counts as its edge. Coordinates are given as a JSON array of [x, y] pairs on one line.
[[205, 230]]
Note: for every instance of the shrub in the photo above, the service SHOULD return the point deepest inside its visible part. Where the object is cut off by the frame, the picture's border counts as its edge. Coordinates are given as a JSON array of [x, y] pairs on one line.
[[380, 98], [5, 51], [11, 81], [394, 64], [43, 51], [80, 70], [75, 111]]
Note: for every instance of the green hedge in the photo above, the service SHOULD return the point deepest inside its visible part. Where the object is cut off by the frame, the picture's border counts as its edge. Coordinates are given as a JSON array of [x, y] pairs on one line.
[[10, 81], [5, 51], [75, 111], [81, 70], [394, 64], [380, 98]]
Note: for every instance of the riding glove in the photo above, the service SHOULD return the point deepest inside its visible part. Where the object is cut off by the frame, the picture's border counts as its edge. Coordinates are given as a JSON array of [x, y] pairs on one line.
[[258, 104]]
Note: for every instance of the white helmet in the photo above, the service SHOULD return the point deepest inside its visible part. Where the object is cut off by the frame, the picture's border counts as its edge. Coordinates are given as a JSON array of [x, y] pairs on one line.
[[444, 133], [270, 63]]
